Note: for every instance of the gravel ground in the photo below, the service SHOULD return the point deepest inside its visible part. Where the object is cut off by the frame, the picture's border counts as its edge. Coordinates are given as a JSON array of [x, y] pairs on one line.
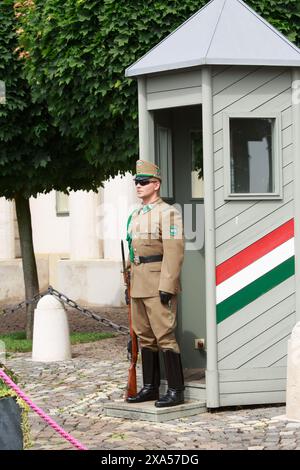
[[75, 392]]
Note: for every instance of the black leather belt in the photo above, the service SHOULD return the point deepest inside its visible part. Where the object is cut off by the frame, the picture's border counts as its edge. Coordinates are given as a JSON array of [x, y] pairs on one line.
[[147, 259]]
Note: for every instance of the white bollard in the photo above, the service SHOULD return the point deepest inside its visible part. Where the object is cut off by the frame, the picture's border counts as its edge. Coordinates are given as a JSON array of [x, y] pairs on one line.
[[51, 337], [293, 376]]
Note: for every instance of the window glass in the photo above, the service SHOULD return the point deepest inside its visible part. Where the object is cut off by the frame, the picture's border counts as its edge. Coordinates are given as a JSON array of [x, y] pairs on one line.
[[197, 181], [164, 160], [251, 155], [62, 203]]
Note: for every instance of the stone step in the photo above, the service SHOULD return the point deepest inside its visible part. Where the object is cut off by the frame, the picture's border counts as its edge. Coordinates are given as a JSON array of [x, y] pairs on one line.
[[146, 411], [193, 390]]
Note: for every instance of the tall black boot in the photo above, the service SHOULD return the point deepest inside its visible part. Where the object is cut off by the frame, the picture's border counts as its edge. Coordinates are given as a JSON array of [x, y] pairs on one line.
[[174, 373], [151, 377]]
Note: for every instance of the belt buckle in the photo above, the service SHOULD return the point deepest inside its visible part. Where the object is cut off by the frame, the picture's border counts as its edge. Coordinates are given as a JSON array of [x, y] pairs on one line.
[[136, 260]]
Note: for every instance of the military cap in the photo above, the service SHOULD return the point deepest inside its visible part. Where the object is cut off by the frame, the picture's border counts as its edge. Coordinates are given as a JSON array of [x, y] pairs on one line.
[[146, 170]]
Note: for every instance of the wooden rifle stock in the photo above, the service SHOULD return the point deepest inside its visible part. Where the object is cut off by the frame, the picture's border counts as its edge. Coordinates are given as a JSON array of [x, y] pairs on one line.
[[131, 389]]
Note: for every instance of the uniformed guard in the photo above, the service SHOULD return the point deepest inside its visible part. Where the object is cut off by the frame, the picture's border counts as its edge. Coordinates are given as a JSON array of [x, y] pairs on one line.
[[156, 249]]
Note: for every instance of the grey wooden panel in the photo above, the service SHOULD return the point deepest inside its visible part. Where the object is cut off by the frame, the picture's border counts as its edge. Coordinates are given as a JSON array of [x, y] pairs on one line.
[[237, 85], [274, 105], [258, 373], [231, 326], [254, 327], [286, 117], [287, 137], [288, 173], [255, 230], [219, 197], [220, 69], [263, 94], [174, 81], [252, 398], [229, 211], [249, 93], [174, 98], [223, 81], [218, 159], [277, 103], [219, 178], [287, 154], [263, 349], [251, 216], [252, 386], [276, 351], [218, 140], [281, 362], [249, 337]]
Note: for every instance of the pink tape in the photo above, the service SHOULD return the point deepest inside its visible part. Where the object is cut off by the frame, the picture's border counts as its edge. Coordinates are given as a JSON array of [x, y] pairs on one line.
[[41, 413]]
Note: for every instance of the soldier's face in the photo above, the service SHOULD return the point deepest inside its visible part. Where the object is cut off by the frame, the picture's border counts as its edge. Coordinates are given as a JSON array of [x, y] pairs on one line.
[[148, 190]]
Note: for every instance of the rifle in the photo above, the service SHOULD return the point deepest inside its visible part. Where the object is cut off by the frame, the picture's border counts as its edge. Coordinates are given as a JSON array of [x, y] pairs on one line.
[[131, 389]]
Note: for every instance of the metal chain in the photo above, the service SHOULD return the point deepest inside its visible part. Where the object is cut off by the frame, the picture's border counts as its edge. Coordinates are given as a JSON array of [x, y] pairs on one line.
[[71, 303], [16, 307], [88, 313]]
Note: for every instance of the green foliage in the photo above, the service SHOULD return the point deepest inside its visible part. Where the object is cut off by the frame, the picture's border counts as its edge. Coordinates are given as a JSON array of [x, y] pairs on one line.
[[34, 156], [284, 15], [17, 342], [5, 391], [79, 50], [75, 53]]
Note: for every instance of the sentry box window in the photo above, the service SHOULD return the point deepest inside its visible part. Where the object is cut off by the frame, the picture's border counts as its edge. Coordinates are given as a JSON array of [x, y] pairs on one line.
[[254, 164], [197, 180], [164, 158]]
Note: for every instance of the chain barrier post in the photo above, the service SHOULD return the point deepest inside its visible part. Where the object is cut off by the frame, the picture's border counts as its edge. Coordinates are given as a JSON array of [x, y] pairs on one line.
[[51, 335]]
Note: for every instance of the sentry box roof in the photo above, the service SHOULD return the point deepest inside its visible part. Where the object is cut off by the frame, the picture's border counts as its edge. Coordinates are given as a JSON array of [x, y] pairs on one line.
[[222, 32]]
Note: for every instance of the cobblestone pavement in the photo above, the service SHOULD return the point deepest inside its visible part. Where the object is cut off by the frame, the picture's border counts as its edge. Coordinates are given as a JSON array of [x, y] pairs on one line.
[[73, 393]]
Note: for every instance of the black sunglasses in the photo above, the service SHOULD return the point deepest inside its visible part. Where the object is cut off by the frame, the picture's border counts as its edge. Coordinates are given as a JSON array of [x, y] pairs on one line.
[[143, 182]]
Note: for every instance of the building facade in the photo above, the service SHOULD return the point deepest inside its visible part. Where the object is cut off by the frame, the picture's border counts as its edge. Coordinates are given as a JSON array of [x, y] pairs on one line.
[[76, 241]]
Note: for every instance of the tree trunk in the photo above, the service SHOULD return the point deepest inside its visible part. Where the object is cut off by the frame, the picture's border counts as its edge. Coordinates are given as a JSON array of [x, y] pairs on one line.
[[29, 263]]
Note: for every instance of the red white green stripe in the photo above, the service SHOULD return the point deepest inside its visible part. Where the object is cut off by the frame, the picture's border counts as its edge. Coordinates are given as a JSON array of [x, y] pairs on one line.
[[255, 270]]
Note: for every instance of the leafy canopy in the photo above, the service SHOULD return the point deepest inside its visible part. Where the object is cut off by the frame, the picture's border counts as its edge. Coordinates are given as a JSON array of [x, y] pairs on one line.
[[34, 155], [79, 50]]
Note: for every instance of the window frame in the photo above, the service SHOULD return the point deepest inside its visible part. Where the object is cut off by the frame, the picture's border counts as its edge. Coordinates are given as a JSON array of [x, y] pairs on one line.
[[59, 212], [277, 158], [191, 131], [170, 163]]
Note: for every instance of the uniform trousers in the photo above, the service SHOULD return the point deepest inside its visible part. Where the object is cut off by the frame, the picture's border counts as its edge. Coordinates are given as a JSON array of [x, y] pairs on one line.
[[155, 323]]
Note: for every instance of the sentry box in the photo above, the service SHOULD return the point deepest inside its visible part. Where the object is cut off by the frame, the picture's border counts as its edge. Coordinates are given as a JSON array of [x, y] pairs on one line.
[[219, 112]]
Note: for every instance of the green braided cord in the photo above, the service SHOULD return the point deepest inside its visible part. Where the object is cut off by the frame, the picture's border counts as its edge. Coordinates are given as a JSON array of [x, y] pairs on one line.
[[129, 239]]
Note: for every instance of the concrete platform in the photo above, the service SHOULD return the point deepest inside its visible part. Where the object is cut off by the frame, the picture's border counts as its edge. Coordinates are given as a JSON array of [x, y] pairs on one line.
[[148, 412]]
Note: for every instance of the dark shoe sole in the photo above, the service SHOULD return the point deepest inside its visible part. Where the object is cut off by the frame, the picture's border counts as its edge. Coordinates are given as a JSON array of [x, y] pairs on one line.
[[167, 405], [140, 400]]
